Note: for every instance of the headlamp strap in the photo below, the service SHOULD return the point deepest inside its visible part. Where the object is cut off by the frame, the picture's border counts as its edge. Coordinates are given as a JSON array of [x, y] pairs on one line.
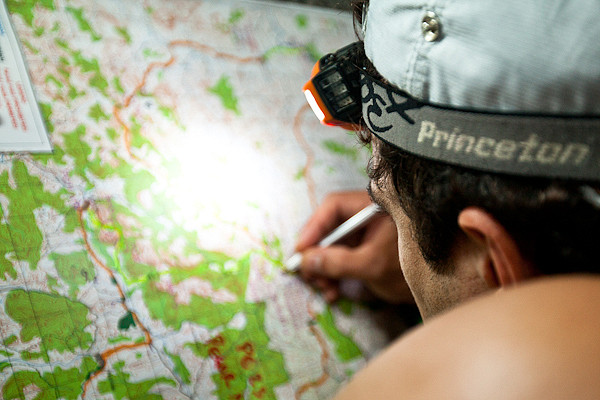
[[516, 144]]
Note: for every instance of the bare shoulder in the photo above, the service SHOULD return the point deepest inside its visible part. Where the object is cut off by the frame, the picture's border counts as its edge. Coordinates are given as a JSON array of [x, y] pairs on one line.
[[537, 340]]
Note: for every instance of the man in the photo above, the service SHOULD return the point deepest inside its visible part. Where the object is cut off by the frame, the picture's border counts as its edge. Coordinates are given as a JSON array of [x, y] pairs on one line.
[[485, 124]]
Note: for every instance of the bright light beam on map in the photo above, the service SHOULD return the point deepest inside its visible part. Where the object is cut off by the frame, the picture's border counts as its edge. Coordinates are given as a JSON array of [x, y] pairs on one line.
[[228, 180]]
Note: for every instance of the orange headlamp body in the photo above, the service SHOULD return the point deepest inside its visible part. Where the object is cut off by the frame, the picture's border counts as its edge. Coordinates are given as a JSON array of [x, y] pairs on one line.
[[333, 91]]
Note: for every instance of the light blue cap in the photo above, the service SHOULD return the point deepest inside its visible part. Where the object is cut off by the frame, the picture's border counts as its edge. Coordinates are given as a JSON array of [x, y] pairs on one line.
[[536, 56]]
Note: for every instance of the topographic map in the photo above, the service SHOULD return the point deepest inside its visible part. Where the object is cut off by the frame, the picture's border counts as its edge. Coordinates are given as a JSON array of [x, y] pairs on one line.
[[143, 258]]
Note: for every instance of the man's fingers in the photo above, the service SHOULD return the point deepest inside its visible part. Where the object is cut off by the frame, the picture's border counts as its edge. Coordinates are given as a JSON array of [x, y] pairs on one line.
[[331, 294], [335, 209], [335, 262], [329, 288], [322, 283]]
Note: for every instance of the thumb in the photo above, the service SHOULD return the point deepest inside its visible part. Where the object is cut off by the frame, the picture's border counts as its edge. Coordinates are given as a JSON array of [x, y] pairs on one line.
[[335, 262]]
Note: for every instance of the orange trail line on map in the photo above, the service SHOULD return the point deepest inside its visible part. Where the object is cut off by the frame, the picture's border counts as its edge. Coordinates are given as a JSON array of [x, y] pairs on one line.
[[324, 358], [164, 64], [310, 155], [117, 108], [108, 353]]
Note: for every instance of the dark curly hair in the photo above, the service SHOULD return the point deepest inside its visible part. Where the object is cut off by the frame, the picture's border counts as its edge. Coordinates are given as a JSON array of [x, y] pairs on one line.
[[553, 223]]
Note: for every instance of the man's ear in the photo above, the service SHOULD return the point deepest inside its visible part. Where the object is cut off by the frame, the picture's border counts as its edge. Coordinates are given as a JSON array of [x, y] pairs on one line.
[[502, 262]]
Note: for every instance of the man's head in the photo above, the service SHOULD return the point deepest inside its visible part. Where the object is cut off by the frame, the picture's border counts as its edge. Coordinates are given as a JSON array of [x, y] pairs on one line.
[[463, 230]]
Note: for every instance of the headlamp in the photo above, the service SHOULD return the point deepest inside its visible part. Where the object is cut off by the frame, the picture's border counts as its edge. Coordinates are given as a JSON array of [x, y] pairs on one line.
[[333, 90], [344, 94]]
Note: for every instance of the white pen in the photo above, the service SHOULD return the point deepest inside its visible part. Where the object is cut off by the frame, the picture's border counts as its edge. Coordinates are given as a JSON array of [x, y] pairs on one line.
[[352, 224]]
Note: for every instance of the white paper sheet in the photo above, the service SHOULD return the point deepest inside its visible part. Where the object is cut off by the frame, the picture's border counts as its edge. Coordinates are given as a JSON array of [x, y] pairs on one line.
[[21, 125]]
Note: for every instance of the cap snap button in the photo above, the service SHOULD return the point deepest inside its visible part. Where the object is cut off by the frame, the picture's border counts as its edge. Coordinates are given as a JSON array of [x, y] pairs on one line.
[[431, 26]]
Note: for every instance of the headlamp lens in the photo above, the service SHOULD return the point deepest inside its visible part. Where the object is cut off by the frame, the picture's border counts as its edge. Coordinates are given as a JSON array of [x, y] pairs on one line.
[[314, 105]]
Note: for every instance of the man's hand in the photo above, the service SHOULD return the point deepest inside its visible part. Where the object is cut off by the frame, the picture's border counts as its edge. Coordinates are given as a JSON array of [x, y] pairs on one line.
[[370, 255]]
